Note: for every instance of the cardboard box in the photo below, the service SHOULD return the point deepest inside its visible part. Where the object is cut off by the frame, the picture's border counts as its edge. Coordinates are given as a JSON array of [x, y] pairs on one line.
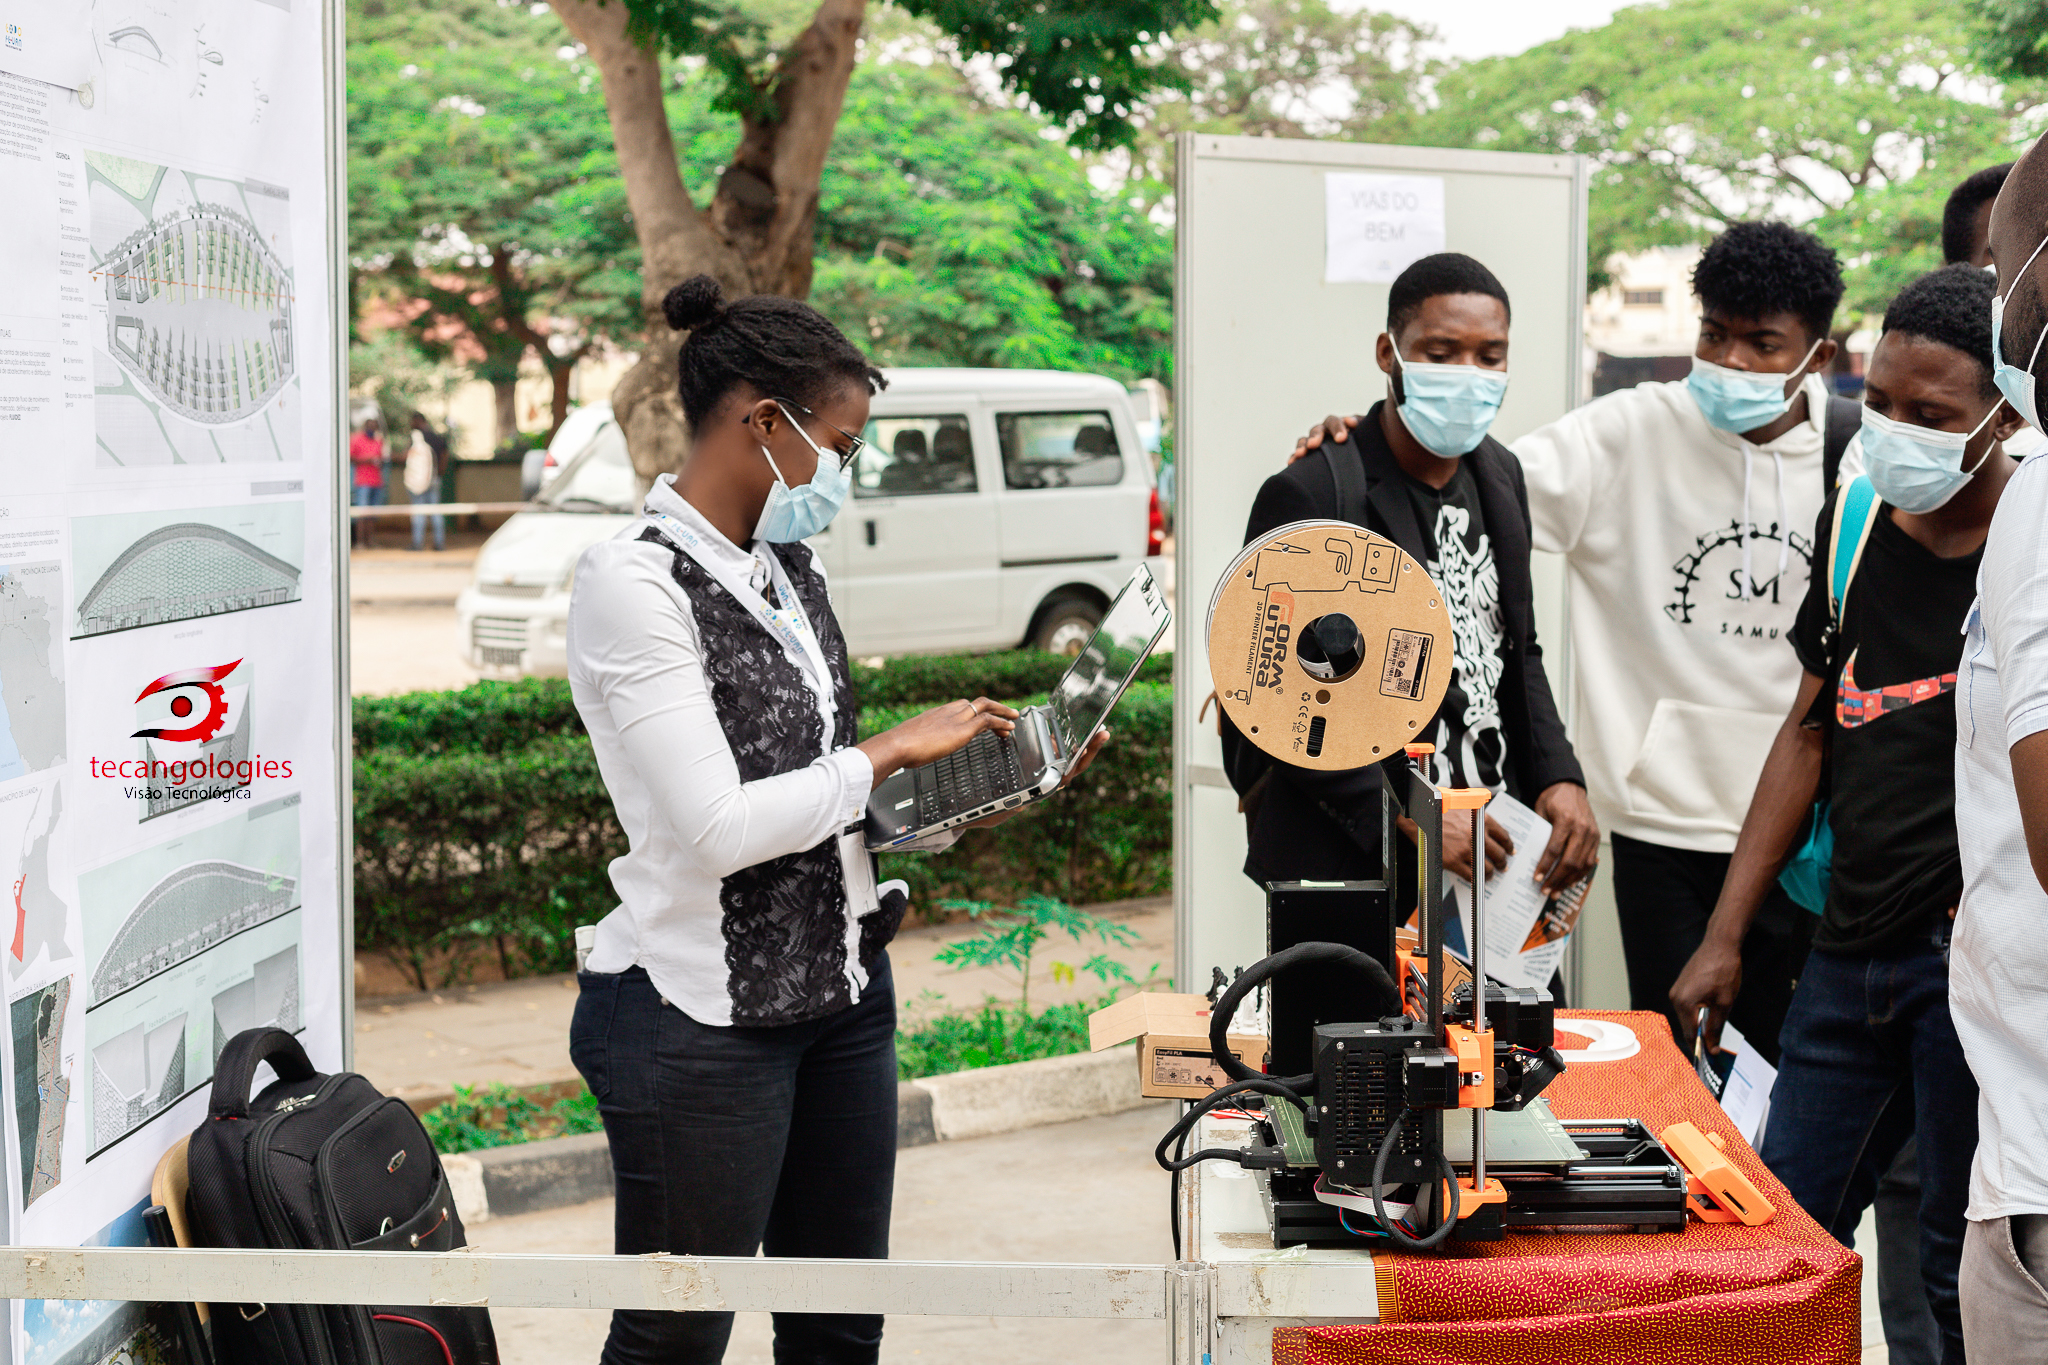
[[1173, 1043]]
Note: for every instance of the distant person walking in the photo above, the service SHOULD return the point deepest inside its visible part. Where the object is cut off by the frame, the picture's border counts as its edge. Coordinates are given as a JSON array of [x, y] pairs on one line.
[[366, 459], [425, 466]]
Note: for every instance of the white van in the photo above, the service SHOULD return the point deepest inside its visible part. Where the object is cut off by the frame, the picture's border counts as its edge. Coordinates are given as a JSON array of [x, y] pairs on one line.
[[991, 509]]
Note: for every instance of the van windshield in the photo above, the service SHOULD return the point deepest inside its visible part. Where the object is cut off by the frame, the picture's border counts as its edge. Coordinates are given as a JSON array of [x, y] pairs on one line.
[[599, 480]]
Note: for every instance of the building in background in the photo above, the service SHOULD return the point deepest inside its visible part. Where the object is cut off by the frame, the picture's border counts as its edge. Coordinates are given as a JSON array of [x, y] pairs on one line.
[[1642, 327]]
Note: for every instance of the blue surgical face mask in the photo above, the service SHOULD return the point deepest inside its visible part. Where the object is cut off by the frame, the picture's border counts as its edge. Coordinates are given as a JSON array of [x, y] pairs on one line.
[[1448, 408], [1917, 469], [792, 514], [1736, 401], [2015, 383]]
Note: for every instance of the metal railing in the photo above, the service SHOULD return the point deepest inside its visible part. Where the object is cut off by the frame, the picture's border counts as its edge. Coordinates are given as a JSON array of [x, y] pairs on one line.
[[1185, 1294], [445, 509]]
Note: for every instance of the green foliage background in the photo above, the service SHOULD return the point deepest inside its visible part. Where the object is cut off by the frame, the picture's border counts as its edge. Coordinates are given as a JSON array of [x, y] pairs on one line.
[[483, 828]]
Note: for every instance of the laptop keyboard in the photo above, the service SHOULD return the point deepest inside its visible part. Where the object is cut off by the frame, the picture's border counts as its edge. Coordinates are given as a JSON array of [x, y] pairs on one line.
[[984, 771]]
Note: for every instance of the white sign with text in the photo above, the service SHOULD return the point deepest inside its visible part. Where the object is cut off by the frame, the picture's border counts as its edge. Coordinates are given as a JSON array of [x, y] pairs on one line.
[[1379, 225]]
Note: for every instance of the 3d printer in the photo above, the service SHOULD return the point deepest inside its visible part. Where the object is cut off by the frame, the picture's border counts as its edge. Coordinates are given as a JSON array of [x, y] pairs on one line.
[[1415, 1114]]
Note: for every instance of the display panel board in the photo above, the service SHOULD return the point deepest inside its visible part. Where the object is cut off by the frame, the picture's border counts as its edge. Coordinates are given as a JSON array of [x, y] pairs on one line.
[[173, 682], [1285, 252]]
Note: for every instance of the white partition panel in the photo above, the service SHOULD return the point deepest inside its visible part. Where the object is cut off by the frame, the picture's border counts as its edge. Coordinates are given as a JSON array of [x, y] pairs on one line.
[[1263, 347]]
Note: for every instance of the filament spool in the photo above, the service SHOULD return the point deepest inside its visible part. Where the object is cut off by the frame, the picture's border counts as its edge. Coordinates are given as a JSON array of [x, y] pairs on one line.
[[1329, 645]]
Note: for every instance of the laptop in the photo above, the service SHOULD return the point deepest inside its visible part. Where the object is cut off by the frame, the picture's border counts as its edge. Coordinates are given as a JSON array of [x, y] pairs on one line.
[[1001, 772]]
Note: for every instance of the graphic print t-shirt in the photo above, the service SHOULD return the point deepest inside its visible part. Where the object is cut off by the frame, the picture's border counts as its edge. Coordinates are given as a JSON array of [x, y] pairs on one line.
[[1891, 722], [1468, 739]]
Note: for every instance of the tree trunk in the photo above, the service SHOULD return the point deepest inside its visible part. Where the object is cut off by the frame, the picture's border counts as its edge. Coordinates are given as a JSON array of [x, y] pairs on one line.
[[757, 235], [558, 406], [508, 412]]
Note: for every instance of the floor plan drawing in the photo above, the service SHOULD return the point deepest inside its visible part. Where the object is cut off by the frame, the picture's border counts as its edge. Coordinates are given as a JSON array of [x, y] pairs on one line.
[[192, 297]]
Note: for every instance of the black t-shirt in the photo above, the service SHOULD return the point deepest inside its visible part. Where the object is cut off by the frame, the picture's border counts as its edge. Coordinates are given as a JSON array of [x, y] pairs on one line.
[[1470, 747], [1891, 724]]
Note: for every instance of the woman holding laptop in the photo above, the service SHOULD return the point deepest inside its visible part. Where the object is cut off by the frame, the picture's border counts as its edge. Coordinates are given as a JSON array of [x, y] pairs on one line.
[[737, 1021]]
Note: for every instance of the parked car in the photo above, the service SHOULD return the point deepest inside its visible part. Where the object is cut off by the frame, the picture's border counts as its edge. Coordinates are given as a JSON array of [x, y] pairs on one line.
[[990, 509]]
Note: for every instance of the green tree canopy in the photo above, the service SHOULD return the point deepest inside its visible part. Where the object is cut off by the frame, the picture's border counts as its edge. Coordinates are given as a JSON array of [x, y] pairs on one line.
[[1282, 68], [1698, 112], [475, 134]]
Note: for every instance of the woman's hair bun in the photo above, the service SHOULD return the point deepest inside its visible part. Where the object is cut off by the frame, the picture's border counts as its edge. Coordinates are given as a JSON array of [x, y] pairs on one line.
[[693, 303]]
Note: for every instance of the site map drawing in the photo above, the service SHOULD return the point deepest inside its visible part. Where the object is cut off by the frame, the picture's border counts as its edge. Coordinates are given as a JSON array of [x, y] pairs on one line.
[[42, 1086], [191, 290], [40, 917], [31, 668]]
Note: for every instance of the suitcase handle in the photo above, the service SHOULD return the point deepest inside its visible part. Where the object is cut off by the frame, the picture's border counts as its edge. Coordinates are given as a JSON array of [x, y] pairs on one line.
[[235, 1072]]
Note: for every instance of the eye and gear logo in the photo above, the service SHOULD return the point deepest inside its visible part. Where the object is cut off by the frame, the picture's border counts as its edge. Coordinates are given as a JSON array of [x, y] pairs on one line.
[[204, 681], [194, 742]]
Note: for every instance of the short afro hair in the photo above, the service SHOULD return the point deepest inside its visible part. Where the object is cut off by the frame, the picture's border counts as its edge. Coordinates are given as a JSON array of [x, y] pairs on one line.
[[1958, 217], [1950, 306], [1755, 269], [1447, 272]]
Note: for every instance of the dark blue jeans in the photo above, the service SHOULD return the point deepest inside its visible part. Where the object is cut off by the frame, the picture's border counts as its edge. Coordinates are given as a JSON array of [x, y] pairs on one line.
[[728, 1141], [1870, 1059]]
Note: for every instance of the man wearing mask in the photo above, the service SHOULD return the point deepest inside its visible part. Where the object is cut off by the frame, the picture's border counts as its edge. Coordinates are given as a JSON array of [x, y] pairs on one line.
[[1998, 969], [1422, 471], [1870, 1057], [1681, 510]]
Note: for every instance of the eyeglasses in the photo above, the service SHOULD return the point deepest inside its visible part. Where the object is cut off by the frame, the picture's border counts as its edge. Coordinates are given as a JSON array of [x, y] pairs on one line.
[[855, 444]]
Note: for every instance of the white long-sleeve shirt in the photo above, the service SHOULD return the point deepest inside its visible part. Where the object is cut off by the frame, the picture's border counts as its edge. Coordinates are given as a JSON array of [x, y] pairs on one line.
[[1687, 550], [637, 670]]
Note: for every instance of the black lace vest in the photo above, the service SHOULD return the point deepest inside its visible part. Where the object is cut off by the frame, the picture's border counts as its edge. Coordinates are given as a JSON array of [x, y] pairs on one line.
[[785, 920]]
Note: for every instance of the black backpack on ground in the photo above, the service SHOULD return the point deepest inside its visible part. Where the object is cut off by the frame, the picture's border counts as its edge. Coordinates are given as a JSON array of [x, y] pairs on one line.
[[323, 1163]]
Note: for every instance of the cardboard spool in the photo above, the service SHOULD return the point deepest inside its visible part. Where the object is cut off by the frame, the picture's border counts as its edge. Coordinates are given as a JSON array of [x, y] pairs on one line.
[[1330, 646]]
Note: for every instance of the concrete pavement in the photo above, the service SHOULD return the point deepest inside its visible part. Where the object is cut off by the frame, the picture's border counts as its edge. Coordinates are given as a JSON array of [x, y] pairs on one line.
[[1086, 1191], [418, 1047]]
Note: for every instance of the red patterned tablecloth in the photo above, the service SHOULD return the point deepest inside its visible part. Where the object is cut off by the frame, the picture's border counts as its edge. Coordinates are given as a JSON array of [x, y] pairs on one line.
[[1785, 1293]]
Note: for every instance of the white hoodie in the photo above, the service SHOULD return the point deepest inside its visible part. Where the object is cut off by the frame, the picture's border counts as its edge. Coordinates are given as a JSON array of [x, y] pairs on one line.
[[1680, 680]]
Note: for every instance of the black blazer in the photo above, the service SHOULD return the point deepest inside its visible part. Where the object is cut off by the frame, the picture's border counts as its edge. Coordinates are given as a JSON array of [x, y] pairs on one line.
[[1326, 825]]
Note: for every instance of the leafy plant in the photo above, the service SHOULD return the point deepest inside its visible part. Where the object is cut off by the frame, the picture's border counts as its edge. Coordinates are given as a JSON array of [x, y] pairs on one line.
[[991, 1036], [500, 1115], [1011, 934]]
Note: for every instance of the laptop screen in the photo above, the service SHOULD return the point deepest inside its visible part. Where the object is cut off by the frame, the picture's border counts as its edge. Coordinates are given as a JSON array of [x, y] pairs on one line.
[[1104, 667]]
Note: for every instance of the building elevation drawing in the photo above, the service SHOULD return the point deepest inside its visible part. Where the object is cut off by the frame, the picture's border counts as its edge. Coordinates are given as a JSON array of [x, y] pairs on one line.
[[186, 913], [180, 571], [191, 289], [136, 1075]]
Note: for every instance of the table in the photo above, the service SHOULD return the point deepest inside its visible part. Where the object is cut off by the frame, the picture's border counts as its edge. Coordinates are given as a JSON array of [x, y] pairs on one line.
[[1785, 1293]]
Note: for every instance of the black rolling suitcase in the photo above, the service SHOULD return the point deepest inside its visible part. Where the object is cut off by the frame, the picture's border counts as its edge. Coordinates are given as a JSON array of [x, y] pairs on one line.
[[321, 1162]]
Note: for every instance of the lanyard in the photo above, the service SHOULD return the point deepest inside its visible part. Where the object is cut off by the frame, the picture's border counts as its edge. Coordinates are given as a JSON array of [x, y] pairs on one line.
[[788, 624]]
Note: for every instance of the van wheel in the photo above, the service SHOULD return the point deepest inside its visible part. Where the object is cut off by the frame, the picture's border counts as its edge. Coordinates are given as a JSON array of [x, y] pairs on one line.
[[1065, 625]]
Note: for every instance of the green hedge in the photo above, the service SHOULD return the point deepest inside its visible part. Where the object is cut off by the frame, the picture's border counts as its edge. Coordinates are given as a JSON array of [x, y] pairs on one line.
[[483, 827], [928, 679]]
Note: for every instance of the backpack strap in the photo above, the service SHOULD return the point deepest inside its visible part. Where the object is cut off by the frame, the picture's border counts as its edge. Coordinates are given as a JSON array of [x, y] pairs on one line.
[[235, 1072], [1347, 469], [1844, 418], [1855, 513]]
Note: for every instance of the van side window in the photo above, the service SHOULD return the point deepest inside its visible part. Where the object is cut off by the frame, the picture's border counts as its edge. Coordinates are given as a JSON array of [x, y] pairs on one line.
[[1059, 450], [909, 456]]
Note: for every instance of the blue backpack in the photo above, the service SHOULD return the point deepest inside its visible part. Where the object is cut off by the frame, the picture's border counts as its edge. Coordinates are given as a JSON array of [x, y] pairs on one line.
[[1805, 877]]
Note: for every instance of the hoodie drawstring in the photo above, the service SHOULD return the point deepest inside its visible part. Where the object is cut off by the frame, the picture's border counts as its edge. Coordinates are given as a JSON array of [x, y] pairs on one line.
[[1749, 588]]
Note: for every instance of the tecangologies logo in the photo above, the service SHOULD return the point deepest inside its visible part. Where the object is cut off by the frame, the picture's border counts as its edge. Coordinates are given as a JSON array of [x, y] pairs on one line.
[[176, 686], [194, 728]]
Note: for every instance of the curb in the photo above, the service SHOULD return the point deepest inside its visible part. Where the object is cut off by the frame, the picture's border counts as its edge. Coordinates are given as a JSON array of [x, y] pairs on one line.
[[503, 1182]]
